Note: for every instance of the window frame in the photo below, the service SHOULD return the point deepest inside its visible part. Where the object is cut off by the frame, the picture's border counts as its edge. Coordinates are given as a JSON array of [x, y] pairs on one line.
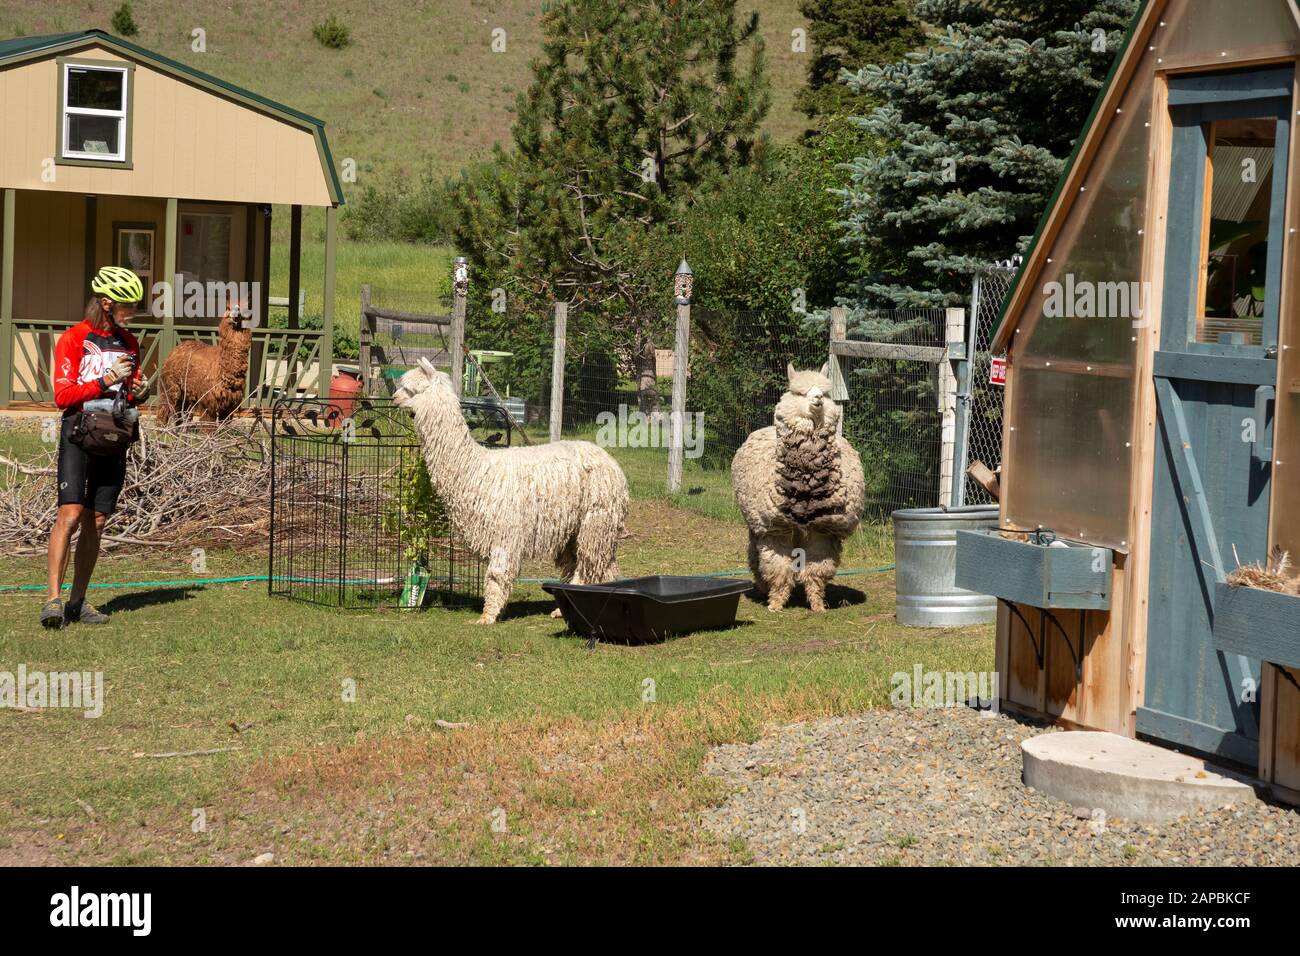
[[65, 157]]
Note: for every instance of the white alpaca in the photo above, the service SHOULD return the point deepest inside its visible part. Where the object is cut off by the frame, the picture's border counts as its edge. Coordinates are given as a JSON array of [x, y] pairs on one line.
[[799, 486], [565, 501]]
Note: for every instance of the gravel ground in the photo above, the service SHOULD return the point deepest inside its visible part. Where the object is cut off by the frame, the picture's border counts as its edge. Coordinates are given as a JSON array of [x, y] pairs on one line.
[[942, 787]]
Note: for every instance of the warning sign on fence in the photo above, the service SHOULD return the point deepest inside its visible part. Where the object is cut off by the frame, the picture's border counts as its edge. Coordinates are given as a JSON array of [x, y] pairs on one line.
[[998, 371]]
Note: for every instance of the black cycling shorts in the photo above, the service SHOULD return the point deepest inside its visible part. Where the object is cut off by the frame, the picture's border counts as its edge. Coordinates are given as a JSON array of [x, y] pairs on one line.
[[93, 481]]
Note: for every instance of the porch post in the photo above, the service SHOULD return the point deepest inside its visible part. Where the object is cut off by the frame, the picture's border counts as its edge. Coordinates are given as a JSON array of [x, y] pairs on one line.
[[169, 275], [7, 300], [327, 313], [295, 263]]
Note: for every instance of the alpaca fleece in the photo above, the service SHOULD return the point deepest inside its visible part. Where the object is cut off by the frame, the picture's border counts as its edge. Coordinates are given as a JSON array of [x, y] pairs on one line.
[[800, 487], [203, 378], [565, 502], [809, 483]]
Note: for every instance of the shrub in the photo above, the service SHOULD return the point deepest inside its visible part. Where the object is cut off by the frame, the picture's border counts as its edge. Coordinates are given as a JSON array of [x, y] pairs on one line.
[[332, 33], [123, 22], [401, 211]]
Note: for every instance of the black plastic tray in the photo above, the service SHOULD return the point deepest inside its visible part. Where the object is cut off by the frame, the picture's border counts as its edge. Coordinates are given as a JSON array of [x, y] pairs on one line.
[[640, 610]]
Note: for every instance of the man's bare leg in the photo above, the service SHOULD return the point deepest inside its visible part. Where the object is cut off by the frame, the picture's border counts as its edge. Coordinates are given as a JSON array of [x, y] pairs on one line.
[[92, 524], [65, 522]]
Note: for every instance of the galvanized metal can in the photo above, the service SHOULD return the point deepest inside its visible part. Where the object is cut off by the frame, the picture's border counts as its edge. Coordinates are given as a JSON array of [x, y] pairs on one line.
[[925, 562]]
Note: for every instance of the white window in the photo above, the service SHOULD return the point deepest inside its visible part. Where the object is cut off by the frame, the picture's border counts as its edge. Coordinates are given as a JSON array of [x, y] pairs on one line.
[[94, 112]]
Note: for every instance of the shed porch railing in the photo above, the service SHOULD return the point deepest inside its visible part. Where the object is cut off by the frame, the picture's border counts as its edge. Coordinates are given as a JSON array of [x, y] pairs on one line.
[[282, 362]]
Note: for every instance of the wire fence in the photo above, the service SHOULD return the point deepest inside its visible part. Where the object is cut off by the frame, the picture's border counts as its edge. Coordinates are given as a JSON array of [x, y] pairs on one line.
[[352, 522], [618, 388], [399, 346], [984, 440], [892, 414], [738, 371]]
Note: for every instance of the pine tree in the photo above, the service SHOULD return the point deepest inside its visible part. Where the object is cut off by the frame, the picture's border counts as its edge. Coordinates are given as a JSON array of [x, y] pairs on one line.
[[850, 34], [633, 108], [977, 128]]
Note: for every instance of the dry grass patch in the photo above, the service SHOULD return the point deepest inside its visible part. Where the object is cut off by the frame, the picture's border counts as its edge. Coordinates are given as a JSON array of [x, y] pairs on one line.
[[555, 790]]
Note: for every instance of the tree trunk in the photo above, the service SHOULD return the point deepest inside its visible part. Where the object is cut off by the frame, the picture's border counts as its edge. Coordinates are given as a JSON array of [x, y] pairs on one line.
[[647, 383]]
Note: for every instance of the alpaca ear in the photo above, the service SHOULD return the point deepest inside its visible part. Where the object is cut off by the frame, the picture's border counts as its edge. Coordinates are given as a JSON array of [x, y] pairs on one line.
[[789, 372], [429, 368], [826, 369]]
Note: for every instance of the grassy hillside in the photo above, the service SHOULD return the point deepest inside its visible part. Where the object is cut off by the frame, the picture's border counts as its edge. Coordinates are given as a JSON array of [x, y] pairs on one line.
[[418, 84]]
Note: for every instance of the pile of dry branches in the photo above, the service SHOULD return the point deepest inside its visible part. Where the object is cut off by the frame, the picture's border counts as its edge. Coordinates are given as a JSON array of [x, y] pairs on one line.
[[185, 485]]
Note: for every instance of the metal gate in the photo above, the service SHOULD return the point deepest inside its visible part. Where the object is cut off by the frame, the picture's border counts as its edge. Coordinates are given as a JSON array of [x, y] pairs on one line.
[[886, 373], [979, 403]]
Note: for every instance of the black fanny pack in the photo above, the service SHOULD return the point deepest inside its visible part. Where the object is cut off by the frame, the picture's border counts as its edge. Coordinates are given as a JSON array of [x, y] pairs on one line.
[[104, 433]]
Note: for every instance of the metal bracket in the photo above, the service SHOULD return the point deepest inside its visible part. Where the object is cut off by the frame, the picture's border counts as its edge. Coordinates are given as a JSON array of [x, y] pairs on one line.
[[1037, 645], [1077, 658], [1040, 645]]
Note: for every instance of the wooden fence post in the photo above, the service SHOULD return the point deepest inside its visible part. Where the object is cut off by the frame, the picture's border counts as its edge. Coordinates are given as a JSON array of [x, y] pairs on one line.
[[557, 369], [172, 302], [460, 290], [681, 350], [839, 326], [364, 337], [954, 335], [327, 308], [7, 297]]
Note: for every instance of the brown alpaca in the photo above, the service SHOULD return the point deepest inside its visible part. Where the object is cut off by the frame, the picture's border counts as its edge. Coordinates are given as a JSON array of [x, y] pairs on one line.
[[206, 378]]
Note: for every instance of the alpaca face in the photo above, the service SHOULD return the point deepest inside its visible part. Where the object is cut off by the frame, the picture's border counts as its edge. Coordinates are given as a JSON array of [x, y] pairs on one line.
[[422, 379], [806, 403], [236, 329]]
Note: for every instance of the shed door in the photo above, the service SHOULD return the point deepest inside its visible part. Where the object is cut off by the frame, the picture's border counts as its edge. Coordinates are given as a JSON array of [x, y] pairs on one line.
[[1215, 375]]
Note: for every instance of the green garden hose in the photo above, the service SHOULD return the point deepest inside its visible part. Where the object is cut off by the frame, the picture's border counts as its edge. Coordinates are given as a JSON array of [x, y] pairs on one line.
[[198, 582]]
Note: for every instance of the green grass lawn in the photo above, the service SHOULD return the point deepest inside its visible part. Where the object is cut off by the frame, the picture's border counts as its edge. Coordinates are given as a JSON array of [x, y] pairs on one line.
[[566, 744], [401, 275]]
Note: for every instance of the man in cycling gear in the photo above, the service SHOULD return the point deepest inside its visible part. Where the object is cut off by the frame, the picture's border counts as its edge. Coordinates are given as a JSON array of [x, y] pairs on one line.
[[96, 358]]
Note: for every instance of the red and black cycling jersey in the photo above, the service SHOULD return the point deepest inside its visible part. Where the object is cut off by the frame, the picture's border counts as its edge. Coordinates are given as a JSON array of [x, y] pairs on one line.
[[84, 353]]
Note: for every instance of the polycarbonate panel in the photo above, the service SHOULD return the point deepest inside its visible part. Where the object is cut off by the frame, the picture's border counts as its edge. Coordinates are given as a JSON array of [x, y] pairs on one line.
[[1206, 29], [1072, 403], [1071, 472]]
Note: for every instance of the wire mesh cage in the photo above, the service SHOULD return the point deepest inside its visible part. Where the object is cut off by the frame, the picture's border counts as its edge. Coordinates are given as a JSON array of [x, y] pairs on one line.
[[355, 522]]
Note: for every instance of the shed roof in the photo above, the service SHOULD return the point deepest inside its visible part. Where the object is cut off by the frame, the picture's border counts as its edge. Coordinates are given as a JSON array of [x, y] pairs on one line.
[[1093, 125], [1099, 119], [28, 48]]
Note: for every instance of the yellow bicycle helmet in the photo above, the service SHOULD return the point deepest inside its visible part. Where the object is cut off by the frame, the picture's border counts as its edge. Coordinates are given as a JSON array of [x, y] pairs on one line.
[[119, 284]]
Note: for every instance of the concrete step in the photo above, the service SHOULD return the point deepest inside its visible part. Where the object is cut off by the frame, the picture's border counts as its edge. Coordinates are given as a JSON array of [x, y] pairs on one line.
[[1127, 778]]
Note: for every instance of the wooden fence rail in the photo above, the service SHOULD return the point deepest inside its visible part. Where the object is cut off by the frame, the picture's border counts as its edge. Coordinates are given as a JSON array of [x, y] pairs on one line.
[[417, 328]]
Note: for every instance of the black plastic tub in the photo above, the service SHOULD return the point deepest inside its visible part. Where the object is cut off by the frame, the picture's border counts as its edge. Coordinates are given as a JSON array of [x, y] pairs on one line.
[[640, 610]]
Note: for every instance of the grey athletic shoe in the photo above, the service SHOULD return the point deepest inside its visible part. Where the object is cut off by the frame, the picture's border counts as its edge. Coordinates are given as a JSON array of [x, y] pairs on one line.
[[83, 613], [52, 614]]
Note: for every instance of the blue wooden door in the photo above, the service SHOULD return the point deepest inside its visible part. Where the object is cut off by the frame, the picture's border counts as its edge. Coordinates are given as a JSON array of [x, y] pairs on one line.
[[1215, 376]]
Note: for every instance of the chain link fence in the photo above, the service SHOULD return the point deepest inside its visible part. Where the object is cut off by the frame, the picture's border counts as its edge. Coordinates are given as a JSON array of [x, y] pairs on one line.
[[984, 438]]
